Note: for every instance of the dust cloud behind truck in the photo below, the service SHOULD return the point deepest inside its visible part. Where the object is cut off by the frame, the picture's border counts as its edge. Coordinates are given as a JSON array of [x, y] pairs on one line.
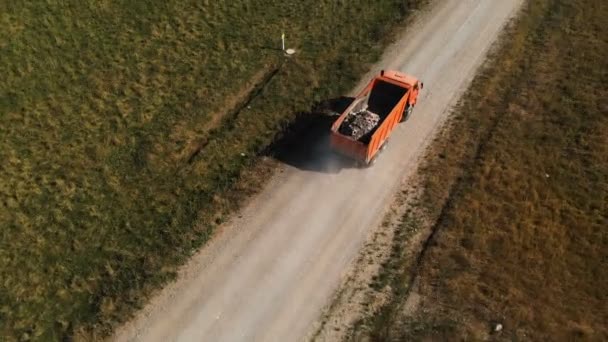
[[363, 129]]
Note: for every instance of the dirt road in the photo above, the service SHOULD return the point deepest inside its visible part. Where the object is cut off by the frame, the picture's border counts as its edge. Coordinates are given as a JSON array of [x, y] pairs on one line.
[[269, 273]]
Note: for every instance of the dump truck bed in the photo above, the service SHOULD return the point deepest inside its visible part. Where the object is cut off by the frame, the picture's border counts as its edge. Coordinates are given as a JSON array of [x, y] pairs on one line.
[[366, 124]]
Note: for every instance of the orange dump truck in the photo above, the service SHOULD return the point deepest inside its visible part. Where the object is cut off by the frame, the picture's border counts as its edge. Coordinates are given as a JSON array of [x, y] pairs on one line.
[[363, 129]]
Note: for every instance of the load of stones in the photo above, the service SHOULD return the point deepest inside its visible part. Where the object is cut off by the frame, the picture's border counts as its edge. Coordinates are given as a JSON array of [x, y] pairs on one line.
[[360, 123]]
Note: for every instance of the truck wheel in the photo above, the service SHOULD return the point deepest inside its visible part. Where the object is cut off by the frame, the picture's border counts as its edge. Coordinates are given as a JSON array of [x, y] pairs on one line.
[[407, 113], [384, 145], [365, 165]]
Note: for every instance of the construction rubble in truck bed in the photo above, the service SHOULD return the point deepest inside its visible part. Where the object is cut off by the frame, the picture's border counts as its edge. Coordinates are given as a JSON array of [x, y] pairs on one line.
[[358, 124]]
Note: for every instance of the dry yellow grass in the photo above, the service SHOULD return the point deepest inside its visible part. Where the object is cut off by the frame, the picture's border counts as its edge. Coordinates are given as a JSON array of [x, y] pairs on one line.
[[518, 188]]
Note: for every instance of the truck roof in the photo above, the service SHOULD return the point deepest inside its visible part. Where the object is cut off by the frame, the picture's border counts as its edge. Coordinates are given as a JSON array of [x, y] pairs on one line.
[[400, 77]]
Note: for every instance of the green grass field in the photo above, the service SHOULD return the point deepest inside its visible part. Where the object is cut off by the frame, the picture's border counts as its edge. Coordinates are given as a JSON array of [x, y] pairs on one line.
[[517, 190], [121, 129]]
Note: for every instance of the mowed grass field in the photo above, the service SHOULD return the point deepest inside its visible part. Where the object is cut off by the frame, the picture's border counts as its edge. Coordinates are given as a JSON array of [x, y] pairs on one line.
[[517, 190], [124, 123]]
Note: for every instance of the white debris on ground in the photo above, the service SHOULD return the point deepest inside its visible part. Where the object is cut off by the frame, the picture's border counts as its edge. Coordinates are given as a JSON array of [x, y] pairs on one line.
[[358, 124]]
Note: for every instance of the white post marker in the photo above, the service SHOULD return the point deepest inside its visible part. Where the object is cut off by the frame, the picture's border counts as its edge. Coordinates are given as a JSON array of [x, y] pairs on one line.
[[283, 41], [288, 52]]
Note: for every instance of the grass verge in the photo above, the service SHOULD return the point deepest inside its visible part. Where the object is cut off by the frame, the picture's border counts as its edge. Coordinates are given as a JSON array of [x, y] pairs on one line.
[[517, 190], [125, 130]]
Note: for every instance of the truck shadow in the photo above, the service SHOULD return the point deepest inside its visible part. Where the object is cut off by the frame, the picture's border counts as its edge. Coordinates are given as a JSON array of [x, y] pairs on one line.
[[304, 144]]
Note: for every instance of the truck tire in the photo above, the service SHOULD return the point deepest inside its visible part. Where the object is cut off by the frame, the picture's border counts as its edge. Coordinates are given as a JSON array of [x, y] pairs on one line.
[[383, 147], [375, 158], [366, 165], [407, 112]]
